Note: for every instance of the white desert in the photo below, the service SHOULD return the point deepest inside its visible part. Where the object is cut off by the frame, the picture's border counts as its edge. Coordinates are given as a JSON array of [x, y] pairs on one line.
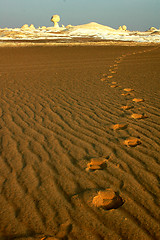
[[79, 132]]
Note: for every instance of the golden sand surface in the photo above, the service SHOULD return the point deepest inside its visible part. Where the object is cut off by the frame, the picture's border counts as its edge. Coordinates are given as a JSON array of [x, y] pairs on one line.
[[56, 119]]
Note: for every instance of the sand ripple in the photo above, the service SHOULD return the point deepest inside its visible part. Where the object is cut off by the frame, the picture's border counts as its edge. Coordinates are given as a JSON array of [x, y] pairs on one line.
[[52, 123]]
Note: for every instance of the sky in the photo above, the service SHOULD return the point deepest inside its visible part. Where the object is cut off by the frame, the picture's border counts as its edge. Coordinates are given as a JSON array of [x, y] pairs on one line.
[[135, 14]]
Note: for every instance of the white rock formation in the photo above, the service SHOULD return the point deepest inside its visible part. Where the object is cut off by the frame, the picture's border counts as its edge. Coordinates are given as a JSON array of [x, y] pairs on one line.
[[55, 19], [43, 28], [31, 27], [25, 27], [124, 27], [93, 26], [152, 29], [69, 26]]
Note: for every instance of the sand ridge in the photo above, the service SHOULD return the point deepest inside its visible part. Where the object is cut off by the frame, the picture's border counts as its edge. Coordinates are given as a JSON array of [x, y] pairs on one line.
[[53, 126]]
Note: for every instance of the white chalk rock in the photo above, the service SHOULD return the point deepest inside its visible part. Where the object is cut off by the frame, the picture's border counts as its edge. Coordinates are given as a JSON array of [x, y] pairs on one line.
[[152, 29], [43, 28], [124, 28], [69, 26], [55, 19], [31, 27], [25, 27]]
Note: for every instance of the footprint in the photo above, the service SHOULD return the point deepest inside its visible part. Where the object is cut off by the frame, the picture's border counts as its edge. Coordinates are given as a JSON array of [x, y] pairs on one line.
[[128, 89], [103, 79], [119, 126], [126, 107], [104, 75], [64, 230], [49, 238], [108, 199], [125, 94], [138, 100], [114, 86], [96, 164], [132, 142], [138, 116]]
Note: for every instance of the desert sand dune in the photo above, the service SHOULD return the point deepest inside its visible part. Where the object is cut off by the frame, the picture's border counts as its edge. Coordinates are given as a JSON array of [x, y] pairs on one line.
[[55, 117]]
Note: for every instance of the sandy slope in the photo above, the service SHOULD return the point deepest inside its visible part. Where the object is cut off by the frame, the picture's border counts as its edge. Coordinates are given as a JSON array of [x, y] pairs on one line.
[[56, 113]]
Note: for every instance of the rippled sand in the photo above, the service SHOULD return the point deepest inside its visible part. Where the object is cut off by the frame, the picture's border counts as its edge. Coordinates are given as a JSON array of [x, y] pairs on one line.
[[56, 114]]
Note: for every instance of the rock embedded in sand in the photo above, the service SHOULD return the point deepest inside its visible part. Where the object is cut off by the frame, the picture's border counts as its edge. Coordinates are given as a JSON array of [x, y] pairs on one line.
[[119, 126], [138, 116], [132, 142], [138, 100], [107, 200], [96, 164]]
